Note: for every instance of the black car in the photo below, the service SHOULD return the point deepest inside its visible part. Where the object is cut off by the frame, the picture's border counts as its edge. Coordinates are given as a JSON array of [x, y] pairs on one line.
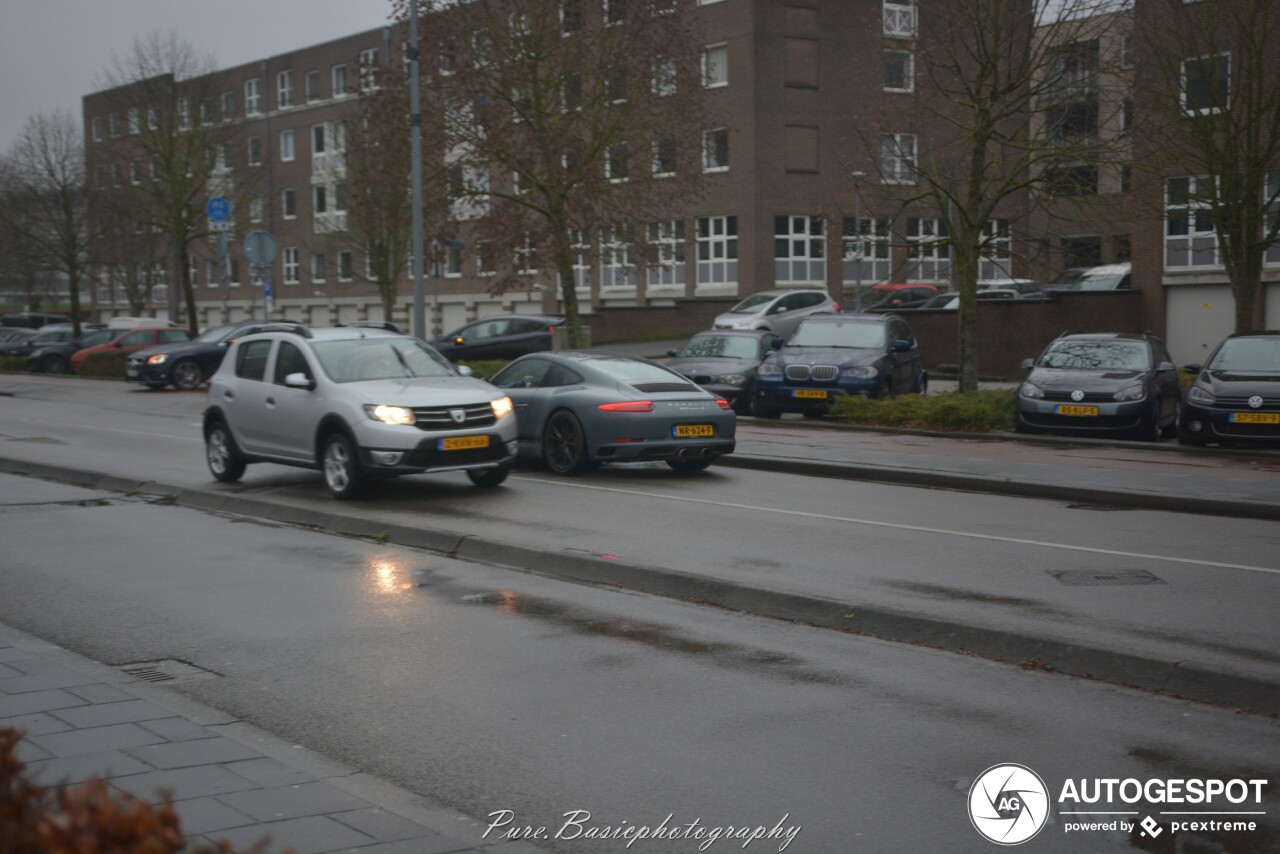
[[724, 362], [15, 333], [187, 364], [503, 336], [55, 358], [27, 345], [832, 355], [33, 319], [1235, 398], [1105, 383]]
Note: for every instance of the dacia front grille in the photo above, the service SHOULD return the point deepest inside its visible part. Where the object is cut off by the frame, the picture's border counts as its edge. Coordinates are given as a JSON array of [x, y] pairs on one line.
[[454, 417]]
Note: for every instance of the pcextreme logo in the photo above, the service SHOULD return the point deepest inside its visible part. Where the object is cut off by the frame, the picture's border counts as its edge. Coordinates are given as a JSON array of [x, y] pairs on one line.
[[1008, 804]]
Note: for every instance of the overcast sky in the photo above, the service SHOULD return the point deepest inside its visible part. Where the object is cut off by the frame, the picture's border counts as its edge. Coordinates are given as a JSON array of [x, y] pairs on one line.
[[51, 51]]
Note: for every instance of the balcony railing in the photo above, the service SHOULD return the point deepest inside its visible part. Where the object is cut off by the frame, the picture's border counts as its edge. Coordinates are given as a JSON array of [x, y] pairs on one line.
[[327, 223], [329, 162]]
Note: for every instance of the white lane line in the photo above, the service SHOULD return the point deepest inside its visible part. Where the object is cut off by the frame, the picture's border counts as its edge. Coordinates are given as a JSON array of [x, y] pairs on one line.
[[903, 527]]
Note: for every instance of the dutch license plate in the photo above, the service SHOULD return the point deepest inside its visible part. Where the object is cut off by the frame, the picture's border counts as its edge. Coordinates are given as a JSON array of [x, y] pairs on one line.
[[693, 431], [1255, 417], [811, 393], [1088, 411], [463, 443]]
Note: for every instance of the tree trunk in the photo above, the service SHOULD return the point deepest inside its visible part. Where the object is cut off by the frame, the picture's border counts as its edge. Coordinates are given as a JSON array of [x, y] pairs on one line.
[[188, 291], [966, 276], [568, 285]]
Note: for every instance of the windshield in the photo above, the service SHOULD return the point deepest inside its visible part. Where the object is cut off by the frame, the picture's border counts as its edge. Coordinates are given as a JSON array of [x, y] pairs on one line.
[[1248, 355], [361, 359], [216, 334], [1118, 355], [93, 339], [853, 334], [753, 303], [721, 347]]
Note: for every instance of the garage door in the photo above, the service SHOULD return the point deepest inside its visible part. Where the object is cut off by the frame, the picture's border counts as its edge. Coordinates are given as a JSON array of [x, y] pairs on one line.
[[1199, 316]]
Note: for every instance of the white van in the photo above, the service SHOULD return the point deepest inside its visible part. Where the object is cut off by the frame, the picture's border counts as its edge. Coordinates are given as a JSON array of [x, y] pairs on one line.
[[120, 324]]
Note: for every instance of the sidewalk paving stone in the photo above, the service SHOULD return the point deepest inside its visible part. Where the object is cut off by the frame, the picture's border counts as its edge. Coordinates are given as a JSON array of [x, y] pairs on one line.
[[37, 701], [184, 754], [96, 739], [36, 723], [310, 835], [77, 769], [105, 714], [296, 801], [378, 823], [207, 814], [268, 772], [183, 783], [175, 729]]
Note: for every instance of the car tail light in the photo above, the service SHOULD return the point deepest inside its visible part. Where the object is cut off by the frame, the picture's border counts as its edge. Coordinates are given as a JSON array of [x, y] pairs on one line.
[[627, 406], [551, 329], [724, 404], [836, 308]]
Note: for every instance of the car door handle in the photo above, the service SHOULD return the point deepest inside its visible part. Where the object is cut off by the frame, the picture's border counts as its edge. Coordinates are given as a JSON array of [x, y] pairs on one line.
[[226, 395], [271, 401]]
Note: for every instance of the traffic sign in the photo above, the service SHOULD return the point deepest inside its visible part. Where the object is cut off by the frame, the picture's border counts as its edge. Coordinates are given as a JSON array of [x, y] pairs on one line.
[[260, 247], [218, 209]]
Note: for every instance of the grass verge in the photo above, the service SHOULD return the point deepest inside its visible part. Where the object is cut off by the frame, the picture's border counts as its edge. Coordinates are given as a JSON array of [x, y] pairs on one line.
[[976, 412]]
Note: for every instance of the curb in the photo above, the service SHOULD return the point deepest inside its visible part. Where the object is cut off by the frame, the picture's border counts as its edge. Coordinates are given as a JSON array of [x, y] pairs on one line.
[[1174, 677]]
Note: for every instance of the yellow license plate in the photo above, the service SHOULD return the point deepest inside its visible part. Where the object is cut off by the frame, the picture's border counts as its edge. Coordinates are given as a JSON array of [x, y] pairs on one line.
[[1078, 410], [812, 393], [694, 431], [1255, 417], [463, 443]]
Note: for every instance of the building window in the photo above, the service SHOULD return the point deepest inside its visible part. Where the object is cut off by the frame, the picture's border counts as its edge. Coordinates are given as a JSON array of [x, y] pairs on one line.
[[667, 240], [134, 118], [135, 171], [113, 125], [317, 266], [570, 16], [339, 80], [899, 71], [284, 89], [95, 128], [252, 98], [718, 250], [799, 244], [996, 251], [319, 199], [617, 164], [715, 150], [1126, 179], [291, 265], [1121, 248], [452, 261], [1189, 236], [526, 258], [346, 265], [286, 146], [898, 158], [664, 157], [289, 203], [255, 151], [616, 269], [663, 81], [615, 11], [312, 85], [868, 244], [228, 106], [1126, 115], [928, 250], [256, 208], [1126, 52], [153, 118], [184, 113], [715, 65], [317, 139], [1068, 181], [900, 19], [368, 69], [573, 92], [1083, 251], [1206, 84]]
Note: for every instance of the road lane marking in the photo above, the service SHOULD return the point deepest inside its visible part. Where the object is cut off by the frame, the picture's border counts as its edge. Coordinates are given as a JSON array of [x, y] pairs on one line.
[[904, 527]]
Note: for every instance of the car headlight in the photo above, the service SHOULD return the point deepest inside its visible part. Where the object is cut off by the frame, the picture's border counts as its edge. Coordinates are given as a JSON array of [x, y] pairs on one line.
[[861, 372], [768, 369], [1133, 392], [1200, 396], [501, 407], [1032, 391], [158, 359], [731, 379], [389, 414]]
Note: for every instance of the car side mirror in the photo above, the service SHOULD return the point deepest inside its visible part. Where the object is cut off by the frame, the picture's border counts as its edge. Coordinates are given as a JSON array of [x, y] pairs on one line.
[[901, 345], [673, 352], [1193, 368], [1028, 364], [465, 370], [1165, 366], [776, 343], [299, 380]]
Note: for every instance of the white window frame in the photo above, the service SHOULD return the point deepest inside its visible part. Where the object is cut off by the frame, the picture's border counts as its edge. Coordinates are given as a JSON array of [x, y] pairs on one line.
[[722, 48], [668, 241], [253, 157], [338, 80], [133, 118], [346, 265], [228, 106], [368, 62], [184, 113], [288, 151], [900, 18], [995, 255], [663, 82], [285, 195], [616, 267], [95, 128], [257, 208], [804, 256], [909, 71], [135, 171], [708, 149], [618, 154], [253, 97], [928, 249], [317, 267], [898, 158], [1183, 91], [310, 92], [658, 144], [876, 259], [289, 264], [284, 89], [1197, 239], [717, 242]]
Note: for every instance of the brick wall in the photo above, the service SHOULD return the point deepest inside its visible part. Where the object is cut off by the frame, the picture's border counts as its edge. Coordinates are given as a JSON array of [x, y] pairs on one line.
[[681, 320]]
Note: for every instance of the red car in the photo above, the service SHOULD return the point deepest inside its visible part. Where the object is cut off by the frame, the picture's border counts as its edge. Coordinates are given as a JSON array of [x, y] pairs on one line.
[[902, 295], [133, 339]]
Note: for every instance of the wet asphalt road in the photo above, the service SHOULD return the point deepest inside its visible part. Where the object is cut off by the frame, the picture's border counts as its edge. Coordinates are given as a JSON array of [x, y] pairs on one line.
[[491, 689]]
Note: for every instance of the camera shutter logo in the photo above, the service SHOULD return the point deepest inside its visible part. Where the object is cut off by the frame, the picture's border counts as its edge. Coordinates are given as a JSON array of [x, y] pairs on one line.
[[1008, 804]]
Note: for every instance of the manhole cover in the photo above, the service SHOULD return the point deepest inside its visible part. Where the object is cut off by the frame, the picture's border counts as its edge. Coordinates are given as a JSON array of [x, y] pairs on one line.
[[166, 670], [1104, 578]]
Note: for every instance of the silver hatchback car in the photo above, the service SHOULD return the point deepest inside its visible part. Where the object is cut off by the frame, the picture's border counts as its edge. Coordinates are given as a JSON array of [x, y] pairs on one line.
[[361, 405], [779, 312]]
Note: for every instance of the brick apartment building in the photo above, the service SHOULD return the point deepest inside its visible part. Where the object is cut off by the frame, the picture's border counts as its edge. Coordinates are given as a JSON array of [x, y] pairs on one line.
[[780, 76]]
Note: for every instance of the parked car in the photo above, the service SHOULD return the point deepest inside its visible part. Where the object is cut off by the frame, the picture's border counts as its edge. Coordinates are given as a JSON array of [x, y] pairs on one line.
[[1023, 288], [130, 340], [1108, 277], [187, 364], [779, 311], [1068, 276], [1235, 398], [55, 358], [503, 336], [15, 333], [122, 323], [902, 295], [1100, 383], [360, 405], [875, 355], [27, 344], [32, 319], [724, 362], [577, 409]]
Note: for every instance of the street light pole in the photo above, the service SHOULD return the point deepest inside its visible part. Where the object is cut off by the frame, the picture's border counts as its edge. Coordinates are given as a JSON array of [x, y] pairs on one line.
[[419, 326], [860, 250]]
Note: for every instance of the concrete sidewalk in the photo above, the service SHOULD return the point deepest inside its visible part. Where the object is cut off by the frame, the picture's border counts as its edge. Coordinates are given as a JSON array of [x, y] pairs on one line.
[[229, 781]]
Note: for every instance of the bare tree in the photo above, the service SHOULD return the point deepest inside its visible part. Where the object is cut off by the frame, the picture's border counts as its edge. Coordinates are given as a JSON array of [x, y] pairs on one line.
[[981, 135], [46, 209], [165, 90], [560, 122], [378, 202], [1209, 108]]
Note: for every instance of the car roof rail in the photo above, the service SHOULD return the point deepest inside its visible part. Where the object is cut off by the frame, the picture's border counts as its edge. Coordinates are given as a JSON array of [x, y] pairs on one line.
[[287, 326]]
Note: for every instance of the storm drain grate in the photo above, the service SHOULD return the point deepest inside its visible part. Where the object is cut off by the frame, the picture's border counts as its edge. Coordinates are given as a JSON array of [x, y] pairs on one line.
[[167, 670], [1104, 578]]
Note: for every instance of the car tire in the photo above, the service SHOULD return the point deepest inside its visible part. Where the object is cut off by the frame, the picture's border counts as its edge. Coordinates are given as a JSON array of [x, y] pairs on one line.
[[564, 444], [187, 375], [700, 464], [55, 364], [486, 478], [1185, 438], [921, 386], [762, 410], [155, 386], [226, 463], [1150, 429], [1171, 429], [344, 476]]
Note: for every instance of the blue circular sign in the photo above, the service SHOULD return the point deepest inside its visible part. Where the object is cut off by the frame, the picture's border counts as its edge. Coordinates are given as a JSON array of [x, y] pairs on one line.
[[218, 209]]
